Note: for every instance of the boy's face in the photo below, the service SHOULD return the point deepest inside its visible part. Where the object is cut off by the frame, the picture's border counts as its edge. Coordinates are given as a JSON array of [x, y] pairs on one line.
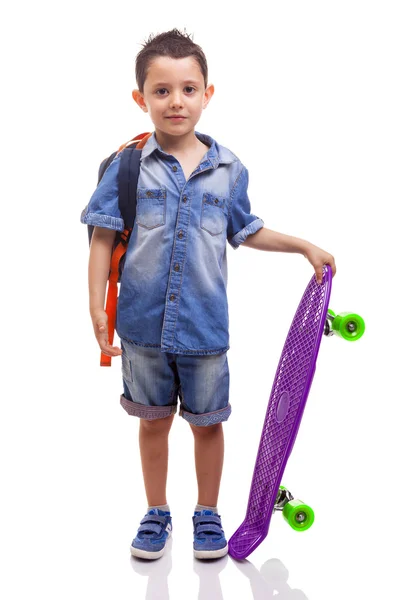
[[174, 87]]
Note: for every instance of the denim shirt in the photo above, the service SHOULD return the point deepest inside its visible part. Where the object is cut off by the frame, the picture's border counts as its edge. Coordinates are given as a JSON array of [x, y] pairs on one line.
[[173, 291]]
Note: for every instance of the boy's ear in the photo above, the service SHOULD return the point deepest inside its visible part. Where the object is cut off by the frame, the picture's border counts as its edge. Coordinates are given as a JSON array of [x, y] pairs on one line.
[[208, 94], [139, 99]]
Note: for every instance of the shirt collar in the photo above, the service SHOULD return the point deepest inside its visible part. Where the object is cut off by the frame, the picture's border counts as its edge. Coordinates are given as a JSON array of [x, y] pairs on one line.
[[214, 155]]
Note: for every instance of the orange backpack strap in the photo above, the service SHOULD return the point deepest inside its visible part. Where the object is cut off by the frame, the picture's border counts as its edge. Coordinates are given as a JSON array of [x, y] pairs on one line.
[[112, 292], [119, 251], [140, 140]]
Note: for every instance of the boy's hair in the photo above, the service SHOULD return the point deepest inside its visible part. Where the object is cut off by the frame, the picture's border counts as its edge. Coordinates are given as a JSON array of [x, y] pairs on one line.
[[174, 44]]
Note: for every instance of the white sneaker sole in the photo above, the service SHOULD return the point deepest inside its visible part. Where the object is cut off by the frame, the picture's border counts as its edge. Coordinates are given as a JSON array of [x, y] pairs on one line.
[[149, 555], [204, 554]]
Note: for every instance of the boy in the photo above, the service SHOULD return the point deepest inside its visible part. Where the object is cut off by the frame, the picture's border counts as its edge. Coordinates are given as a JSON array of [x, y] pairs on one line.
[[172, 309]]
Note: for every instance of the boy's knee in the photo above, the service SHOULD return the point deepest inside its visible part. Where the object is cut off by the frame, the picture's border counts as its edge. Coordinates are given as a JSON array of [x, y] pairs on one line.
[[157, 426], [205, 430]]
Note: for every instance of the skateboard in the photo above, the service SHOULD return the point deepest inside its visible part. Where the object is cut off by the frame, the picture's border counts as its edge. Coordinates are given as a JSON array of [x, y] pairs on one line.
[[285, 409]]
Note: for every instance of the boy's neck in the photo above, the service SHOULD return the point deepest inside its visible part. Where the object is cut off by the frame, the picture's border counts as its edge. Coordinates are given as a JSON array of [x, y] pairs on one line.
[[178, 144]]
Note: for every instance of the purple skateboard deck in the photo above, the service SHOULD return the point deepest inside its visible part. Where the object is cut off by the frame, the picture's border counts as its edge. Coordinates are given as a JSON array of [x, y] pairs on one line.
[[288, 398]]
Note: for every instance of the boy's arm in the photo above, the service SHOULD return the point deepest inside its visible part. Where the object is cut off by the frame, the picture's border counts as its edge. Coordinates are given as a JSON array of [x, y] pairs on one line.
[[99, 266], [273, 241]]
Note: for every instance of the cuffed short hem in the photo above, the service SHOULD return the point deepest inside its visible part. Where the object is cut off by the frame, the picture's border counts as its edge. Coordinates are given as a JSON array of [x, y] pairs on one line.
[[146, 412], [211, 418]]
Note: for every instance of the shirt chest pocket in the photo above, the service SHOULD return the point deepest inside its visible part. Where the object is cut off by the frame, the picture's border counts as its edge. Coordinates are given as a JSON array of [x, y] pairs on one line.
[[213, 218], [150, 207]]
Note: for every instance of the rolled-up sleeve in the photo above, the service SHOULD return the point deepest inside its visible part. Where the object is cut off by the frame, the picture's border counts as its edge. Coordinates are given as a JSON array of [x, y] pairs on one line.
[[103, 209], [241, 222]]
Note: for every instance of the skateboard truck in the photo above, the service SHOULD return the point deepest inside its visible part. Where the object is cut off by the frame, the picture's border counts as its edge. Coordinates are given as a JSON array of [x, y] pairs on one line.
[[282, 498]]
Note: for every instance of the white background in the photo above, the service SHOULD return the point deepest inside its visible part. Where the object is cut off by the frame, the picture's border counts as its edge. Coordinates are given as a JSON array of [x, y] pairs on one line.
[[307, 94]]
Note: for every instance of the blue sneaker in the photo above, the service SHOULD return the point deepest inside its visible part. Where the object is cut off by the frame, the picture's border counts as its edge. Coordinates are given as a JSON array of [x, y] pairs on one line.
[[209, 538], [155, 528]]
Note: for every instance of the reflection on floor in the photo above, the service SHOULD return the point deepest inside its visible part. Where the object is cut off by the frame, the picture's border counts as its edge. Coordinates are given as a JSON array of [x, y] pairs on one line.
[[270, 582]]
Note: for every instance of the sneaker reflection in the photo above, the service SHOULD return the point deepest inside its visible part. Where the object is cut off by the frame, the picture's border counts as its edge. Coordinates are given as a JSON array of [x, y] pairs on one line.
[[157, 572], [208, 572]]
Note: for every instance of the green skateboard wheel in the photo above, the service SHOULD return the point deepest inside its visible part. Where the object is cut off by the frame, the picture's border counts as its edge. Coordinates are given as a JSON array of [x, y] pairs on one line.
[[299, 516], [349, 326]]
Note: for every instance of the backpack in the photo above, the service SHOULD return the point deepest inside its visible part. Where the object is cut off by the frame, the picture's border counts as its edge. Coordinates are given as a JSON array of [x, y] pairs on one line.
[[128, 176]]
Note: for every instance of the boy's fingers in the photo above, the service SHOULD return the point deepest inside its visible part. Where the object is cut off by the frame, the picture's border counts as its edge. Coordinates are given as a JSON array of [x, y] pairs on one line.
[[331, 263], [110, 350], [318, 274], [103, 342], [101, 332], [106, 347]]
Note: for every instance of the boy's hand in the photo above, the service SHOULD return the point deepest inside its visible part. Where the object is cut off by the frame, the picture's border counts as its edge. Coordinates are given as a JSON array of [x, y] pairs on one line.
[[318, 258], [100, 326]]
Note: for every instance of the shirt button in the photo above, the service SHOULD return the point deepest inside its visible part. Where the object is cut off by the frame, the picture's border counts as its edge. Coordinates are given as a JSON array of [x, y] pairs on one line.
[[174, 168], [216, 200], [180, 235], [172, 297], [176, 267], [184, 198]]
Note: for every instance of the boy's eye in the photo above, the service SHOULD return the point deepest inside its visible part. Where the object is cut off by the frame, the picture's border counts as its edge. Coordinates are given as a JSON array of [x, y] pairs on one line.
[[163, 91]]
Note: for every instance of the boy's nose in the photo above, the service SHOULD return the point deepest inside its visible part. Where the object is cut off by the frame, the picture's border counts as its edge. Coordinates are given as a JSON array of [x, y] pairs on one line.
[[175, 100]]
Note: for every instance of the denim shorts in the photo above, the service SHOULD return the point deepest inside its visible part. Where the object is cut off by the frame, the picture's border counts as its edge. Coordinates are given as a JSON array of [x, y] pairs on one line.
[[153, 381]]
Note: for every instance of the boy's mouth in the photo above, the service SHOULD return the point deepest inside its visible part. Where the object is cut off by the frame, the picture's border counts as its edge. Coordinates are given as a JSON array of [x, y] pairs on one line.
[[176, 117]]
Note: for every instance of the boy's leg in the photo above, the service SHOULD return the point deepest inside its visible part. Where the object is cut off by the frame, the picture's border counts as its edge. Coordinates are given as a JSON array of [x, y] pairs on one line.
[[209, 458], [156, 526], [153, 442], [150, 393], [209, 538], [204, 394]]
